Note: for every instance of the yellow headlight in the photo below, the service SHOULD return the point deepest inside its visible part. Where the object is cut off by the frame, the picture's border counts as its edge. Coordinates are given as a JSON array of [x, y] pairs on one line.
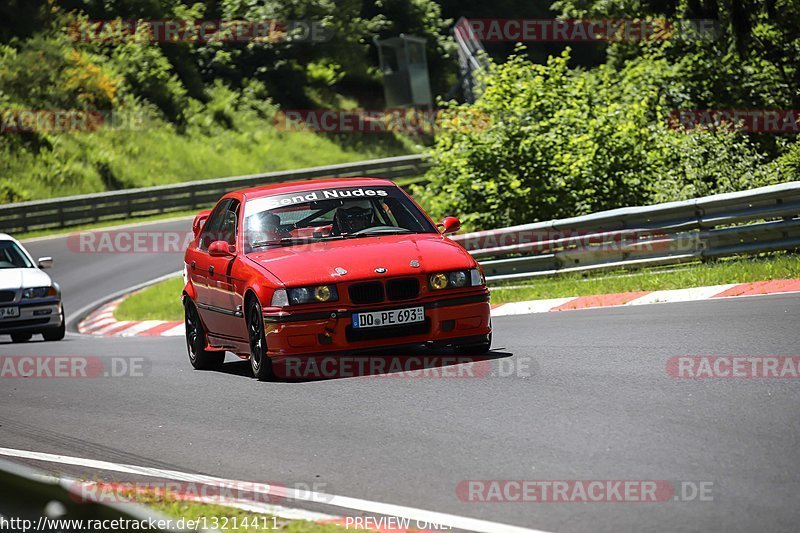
[[438, 281], [322, 293]]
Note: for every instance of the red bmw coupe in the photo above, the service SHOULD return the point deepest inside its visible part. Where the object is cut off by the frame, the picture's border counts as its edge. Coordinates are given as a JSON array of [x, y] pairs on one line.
[[327, 266]]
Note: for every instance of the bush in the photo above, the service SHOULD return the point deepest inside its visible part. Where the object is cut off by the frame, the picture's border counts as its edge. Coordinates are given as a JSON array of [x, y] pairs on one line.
[[563, 142]]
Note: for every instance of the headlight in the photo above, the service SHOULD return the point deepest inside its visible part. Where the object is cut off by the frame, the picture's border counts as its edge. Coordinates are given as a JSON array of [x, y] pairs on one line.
[[299, 296], [322, 293], [307, 295], [476, 278], [39, 292], [279, 298], [456, 279], [438, 281]]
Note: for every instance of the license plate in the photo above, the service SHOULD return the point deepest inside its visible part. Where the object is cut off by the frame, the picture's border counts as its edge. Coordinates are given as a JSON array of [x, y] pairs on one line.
[[393, 317], [9, 312]]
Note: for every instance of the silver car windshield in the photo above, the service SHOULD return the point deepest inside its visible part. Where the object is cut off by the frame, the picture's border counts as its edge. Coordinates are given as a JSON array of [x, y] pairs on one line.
[[11, 256]]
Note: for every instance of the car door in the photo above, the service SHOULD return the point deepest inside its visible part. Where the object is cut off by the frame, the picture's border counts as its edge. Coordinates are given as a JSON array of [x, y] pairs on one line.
[[202, 265], [224, 303]]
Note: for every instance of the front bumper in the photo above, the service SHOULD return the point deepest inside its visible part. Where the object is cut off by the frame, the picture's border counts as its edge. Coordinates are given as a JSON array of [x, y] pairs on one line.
[[34, 316], [313, 332]]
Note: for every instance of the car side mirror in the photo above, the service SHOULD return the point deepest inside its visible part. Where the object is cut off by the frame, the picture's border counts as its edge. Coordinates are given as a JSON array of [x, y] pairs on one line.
[[220, 249], [449, 225], [45, 262], [199, 221]]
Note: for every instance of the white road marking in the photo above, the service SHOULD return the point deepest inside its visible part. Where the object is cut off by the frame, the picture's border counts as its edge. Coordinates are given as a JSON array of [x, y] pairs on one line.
[[138, 327], [533, 306], [177, 331], [386, 509], [681, 295], [109, 327], [97, 325]]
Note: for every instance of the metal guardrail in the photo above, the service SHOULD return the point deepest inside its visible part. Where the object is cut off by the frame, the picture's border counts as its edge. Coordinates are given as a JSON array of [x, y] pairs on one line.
[[759, 220], [76, 210]]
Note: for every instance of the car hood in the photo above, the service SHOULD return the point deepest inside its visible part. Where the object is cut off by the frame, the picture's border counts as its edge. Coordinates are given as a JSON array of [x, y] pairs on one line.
[[317, 263], [18, 278]]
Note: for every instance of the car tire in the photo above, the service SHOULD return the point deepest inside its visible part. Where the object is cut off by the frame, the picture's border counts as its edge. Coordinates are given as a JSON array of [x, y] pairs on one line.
[[199, 357], [480, 348], [21, 337], [260, 362], [56, 334]]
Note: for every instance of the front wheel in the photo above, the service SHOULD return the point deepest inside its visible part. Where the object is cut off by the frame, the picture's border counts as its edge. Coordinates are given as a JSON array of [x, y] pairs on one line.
[[200, 358], [21, 337], [260, 362]]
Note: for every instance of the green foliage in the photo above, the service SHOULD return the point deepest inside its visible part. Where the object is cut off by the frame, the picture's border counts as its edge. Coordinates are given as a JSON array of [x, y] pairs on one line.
[[199, 110], [562, 143], [46, 72], [787, 167]]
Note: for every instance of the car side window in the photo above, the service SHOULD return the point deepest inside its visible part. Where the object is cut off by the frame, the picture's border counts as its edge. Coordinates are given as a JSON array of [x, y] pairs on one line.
[[227, 230], [211, 229]]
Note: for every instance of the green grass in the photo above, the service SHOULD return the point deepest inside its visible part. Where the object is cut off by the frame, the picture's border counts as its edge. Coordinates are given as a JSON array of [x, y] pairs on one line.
[[738, 270], [212, 516], [82, 163], [162, 302]]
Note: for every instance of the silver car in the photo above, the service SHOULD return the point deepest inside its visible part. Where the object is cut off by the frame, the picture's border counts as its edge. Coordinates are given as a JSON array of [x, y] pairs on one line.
[[30, 302]]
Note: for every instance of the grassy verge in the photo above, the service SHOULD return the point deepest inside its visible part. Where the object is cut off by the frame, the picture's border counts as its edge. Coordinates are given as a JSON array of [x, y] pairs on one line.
[[231, 519], [158, 302], [112, 160], [738, 270], [161, 301]]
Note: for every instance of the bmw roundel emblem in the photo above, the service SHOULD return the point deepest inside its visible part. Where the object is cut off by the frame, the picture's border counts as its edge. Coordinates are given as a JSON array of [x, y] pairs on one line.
[[380, 270]]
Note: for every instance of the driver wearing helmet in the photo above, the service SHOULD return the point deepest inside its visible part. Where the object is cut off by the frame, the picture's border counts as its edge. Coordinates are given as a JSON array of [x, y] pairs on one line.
[[262, 227], [349, 220]]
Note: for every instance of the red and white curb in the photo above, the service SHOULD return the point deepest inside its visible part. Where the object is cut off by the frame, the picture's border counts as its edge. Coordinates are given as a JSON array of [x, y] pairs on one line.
[[102, 321], [648, 297]]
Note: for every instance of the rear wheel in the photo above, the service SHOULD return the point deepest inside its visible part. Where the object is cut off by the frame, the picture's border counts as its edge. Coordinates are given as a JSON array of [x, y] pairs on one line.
[[200, 358], [21, 337], [56, 334], [260, 362]]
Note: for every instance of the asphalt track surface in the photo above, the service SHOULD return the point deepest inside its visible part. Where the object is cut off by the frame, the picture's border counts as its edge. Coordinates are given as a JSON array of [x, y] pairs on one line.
[[596, 404]]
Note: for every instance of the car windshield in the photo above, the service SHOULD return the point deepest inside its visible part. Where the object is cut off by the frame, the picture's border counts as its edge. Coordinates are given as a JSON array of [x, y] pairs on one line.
[[327, 214], [11, 256]]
